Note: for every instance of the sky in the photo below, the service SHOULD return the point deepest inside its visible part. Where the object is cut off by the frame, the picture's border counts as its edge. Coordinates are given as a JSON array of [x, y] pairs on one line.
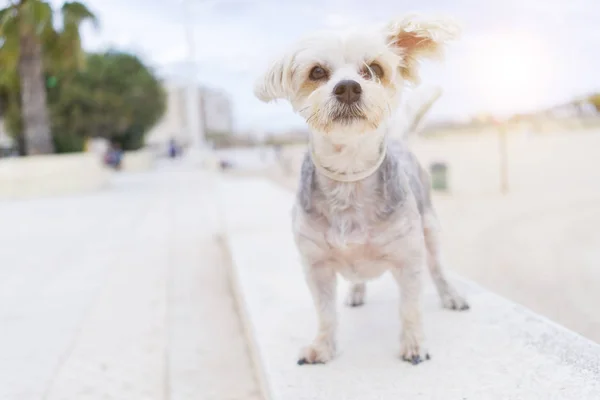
[[513, 56]]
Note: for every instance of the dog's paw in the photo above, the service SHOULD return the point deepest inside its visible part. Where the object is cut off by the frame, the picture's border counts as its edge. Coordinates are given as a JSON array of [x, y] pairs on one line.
[[413, 352], [453, 301], [356, 296], [317, 353]]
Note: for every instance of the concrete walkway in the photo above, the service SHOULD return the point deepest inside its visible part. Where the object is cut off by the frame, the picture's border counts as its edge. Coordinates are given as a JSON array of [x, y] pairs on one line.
[[496, 350], [121, 294]]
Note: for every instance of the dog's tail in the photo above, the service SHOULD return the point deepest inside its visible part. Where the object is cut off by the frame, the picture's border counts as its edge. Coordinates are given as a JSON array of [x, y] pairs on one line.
[[410, 118]]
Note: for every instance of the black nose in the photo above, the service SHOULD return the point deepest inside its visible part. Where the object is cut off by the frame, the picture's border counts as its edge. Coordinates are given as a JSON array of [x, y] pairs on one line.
[[347, 92]]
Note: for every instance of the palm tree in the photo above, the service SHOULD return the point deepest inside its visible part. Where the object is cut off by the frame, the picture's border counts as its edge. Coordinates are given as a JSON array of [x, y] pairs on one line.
[[29, 42], [595, 101]]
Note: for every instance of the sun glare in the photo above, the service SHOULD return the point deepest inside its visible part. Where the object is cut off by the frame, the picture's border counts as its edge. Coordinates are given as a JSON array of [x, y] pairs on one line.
[[511, 73]]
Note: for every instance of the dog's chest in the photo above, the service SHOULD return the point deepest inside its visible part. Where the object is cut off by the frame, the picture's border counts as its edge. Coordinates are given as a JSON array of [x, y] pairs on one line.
[[357, 249], [351, 214], [350, 231]]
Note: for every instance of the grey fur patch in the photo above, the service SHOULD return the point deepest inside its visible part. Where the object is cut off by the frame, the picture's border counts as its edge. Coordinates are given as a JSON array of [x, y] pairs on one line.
[[307, 184], [411, 169], [398, 177], [390, 187]]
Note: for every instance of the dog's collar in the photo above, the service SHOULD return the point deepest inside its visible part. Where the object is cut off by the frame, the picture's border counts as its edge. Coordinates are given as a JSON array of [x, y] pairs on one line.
[[351, 176]]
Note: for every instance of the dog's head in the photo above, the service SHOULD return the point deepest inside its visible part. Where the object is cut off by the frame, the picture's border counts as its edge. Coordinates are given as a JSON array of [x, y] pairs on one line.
[[351, 82]]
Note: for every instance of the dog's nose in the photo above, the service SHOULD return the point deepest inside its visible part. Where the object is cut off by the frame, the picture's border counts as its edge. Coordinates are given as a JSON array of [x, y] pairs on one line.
[[347, 92]]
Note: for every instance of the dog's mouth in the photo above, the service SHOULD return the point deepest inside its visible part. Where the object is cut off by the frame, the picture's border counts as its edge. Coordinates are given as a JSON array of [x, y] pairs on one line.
[[347, 114]]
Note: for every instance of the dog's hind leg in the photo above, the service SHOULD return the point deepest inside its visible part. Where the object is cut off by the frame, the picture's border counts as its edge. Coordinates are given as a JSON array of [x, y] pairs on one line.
[[356, 295], [449, 296]]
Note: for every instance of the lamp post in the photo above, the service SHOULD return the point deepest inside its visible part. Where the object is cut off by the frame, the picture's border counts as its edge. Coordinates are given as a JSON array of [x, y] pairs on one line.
[[194, 124], [503, 154]]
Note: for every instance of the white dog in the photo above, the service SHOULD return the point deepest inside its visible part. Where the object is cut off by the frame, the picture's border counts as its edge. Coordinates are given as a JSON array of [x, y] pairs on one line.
[[363, 204]]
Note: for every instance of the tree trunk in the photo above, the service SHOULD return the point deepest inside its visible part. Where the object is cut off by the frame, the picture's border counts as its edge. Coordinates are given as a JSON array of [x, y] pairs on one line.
[[36, 122]]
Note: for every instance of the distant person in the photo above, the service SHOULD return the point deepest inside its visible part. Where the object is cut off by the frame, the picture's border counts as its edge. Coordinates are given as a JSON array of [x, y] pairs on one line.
[[118, 156], [108, 156], [114, 156], [173, 149]]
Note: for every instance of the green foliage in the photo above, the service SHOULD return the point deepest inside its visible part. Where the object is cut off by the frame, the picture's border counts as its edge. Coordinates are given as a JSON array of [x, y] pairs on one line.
[[9, 60], [68, 142], [60, 47], [595, 100], [116, 97]]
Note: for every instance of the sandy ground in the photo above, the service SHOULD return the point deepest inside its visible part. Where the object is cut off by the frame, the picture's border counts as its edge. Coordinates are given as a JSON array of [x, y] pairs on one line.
[[539, 245]]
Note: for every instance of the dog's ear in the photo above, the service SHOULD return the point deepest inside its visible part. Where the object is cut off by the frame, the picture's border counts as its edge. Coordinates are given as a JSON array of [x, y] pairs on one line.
[[276, 81], [414, 37]]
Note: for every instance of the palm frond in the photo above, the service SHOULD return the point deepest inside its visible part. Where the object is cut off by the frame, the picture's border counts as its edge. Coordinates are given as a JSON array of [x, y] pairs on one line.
[[9, 48], [75, 13], [37, 15], [7, 19], [69, 40]]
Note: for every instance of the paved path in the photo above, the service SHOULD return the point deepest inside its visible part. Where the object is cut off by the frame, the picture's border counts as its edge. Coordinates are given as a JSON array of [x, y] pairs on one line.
[[121, 294]]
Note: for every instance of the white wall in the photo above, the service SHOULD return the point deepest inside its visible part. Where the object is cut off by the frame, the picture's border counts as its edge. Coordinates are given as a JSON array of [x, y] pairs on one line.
[[536, 162], [51, 175], [215, 112]]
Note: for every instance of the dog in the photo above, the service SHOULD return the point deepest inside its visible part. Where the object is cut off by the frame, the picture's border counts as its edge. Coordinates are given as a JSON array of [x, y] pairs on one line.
[[363, 205]]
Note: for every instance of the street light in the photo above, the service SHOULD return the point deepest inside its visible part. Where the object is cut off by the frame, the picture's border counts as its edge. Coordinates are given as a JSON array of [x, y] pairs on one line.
[[194, 124], [503, 153]]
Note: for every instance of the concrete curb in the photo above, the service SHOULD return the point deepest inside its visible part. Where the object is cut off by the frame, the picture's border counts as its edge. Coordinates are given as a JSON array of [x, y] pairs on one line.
[[247, 326], [506, 351], [236, 291]]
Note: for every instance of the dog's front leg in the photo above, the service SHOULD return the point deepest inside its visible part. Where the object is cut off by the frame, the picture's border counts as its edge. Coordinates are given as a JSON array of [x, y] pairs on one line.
[[322, 282], [408, 276]]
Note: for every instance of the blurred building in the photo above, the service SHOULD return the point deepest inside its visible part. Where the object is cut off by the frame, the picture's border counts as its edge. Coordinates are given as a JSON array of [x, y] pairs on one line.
[[215, 111], [173, 123]]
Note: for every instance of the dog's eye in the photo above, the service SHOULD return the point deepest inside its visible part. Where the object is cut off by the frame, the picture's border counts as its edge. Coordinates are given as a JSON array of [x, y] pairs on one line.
[[374, 70], [317, 73]]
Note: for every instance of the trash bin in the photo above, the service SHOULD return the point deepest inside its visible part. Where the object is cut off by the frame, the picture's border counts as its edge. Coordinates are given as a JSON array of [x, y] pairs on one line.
[[439, 176]]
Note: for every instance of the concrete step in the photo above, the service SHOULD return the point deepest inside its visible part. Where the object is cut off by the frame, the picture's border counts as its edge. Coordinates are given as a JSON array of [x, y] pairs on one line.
[[497, 350]]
